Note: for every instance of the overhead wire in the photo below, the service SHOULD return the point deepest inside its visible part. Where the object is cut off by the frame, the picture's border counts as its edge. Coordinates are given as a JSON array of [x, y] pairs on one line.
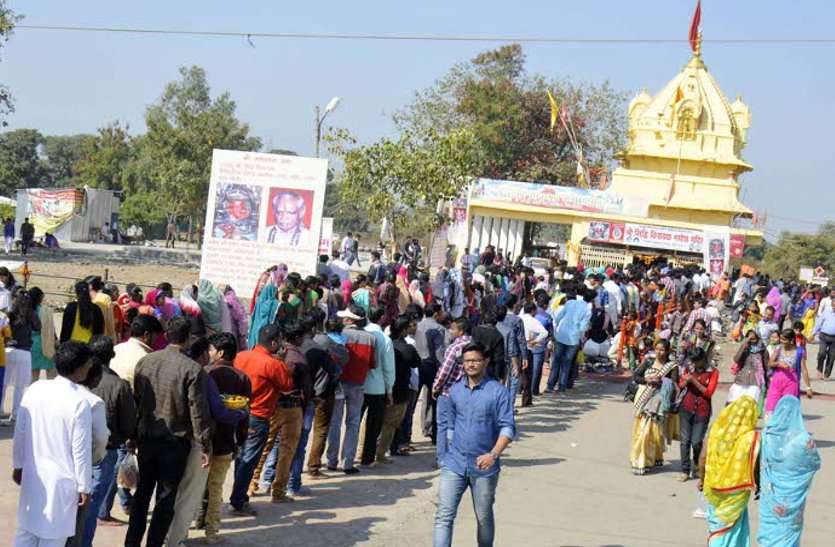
[[249, 35]]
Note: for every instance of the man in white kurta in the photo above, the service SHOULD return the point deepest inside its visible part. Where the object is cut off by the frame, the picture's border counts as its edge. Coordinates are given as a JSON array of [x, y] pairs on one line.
[[52, 459]]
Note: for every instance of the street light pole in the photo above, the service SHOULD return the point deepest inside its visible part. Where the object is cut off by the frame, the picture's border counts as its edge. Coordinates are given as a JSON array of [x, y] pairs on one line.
[[319, 120]]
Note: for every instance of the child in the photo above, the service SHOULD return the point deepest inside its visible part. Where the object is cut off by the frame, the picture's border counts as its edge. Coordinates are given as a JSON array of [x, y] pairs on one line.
[[773, 344], [675, 322], [629, 331]]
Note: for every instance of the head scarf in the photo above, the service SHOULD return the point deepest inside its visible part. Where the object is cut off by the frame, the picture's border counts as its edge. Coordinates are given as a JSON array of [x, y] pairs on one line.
[[239, 316], [789, 463], [775, 302], [347, 288], [732, 447], [187, 301], [209, 300], [263, 313]]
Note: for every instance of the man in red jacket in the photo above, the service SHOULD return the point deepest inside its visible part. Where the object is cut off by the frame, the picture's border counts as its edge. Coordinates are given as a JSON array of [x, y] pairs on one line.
[[269, 377], [350, 392]]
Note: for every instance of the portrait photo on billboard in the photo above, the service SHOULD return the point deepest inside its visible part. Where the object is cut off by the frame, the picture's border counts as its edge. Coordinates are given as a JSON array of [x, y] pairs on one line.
[[237, 208], [289, 215], [716, 249]]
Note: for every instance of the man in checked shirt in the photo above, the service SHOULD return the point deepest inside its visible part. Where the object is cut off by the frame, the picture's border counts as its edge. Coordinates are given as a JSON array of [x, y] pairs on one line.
[[448, 374]]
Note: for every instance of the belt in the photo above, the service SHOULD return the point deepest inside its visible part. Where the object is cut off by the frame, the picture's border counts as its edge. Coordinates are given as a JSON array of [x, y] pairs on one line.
[[290, 403]]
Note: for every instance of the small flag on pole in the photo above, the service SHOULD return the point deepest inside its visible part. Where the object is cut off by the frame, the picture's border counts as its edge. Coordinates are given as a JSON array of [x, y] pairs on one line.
[[679, 95], [554, 110], [694, 26], [672, 188]]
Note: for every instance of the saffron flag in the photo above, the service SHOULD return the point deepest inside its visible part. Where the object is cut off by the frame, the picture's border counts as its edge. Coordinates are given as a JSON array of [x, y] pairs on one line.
[[679, 95], [672, 189], [554, 110], [694, 26]]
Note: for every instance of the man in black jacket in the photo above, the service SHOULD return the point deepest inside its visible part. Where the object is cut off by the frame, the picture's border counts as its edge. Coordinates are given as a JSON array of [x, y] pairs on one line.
[[121, 421], [489, 337]]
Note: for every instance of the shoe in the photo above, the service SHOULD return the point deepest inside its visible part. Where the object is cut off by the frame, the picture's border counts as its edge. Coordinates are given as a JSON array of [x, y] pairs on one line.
[[245, 510], [317, 475], [110, 521], [198, 524], [684, 477], [282, 499], [331, 468], [549, 391], [401, 452], [384, 460], [7, 423], [351, 471], [304, 491], [213, 540]]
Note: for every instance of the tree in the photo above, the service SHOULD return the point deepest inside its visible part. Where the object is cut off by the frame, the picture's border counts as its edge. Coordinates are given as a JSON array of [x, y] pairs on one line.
[[795, 250], [142, 209], [62, 155], [20, 163], [105, 157], [8, 20], [404, 180], [184, 126], [509, 115]]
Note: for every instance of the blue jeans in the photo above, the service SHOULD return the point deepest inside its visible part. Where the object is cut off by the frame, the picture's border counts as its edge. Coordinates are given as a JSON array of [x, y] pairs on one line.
[[104, 474], [450, 491], [351, 408], [256, 438], [538, 362], [444, 428], [561, 365], [295, 483], [125, 497], [512, 383]]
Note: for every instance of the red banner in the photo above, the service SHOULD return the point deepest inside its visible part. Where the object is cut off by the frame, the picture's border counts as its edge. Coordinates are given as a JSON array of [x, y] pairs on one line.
[[737, 245]]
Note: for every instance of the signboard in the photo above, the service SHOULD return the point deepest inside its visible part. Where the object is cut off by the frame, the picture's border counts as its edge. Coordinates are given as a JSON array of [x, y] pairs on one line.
[[645, 235], [263, 210], [438, 251], [806, 274], [52, 208], [737, 242], [326, 238], [717, 252], [556, 197]]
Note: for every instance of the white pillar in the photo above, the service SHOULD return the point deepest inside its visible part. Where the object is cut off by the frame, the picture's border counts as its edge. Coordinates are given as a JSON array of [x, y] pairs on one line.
[[511, 237], [485, 231], [503, 233], [494, 232], [475, 232]]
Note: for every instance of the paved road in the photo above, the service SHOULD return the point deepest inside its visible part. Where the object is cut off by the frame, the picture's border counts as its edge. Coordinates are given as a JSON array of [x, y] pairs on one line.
[[567, 482]]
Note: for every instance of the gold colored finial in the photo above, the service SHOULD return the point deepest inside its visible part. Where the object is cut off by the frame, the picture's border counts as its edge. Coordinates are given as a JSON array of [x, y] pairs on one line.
[[698, 50], [696, 60]]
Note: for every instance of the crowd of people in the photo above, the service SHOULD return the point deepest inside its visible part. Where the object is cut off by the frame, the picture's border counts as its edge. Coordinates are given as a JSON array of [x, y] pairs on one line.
[[187, 384]]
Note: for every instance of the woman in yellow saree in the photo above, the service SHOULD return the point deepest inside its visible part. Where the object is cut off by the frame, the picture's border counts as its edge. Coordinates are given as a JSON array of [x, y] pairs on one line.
[[729, 470]]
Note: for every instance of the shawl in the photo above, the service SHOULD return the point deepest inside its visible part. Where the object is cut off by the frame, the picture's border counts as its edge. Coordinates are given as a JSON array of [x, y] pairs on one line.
[[263, 313], [211, 304], [417, 296], [775, 302], [45, 313], [788, 465], [166, 310], [403, 297], [732, 447], [187, 301]]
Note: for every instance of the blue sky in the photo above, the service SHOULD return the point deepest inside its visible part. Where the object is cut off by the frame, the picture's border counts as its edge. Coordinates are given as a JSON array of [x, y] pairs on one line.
[[67, 83]]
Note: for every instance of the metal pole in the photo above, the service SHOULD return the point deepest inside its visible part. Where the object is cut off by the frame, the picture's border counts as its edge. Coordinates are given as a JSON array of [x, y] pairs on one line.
[[317, 129]]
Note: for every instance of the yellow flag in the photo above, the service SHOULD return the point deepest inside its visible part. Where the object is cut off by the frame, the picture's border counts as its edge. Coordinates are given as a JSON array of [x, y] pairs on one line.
[[555, 111]]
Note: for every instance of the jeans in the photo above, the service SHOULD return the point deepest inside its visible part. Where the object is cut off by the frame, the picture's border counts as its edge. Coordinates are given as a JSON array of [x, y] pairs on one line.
[[161, 467], [283, 436], [351, 407], [403, 436], [561, 364], [295, 482], [536, 373], [450, 491], [693, 432], [512, 383], [321, 426], [375, 407], [125, 497], [826, 354], [249, 457], [104, 474], [443, 404]]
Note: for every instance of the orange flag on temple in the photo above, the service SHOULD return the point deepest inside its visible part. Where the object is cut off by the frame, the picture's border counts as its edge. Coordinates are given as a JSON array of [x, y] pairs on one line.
[[694, 26]]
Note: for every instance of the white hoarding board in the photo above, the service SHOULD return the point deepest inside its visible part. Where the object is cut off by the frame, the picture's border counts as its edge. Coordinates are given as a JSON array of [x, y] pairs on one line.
[[326, 239], [262, 210]]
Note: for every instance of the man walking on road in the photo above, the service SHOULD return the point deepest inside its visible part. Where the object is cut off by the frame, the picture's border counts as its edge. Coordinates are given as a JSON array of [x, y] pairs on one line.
[[27, 235], [481, 414]]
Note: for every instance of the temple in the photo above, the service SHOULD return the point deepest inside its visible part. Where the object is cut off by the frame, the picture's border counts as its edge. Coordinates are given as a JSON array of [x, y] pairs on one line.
[[675, 192]]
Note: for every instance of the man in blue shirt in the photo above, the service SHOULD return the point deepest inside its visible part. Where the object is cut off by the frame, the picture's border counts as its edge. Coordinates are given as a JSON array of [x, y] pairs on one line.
[[481, 418], [825, 331], [570, 323]]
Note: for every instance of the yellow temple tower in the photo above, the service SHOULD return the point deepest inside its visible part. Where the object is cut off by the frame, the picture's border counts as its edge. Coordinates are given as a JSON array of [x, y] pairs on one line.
[[684, 150]]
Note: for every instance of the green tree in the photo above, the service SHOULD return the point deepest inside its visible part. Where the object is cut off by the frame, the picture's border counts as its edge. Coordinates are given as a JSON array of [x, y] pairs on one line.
[[8, 20], [795, 250], [184, 126], [20, 163], [142, 209], [105, 157], [508, 113], [62, 154], [403, 180]]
